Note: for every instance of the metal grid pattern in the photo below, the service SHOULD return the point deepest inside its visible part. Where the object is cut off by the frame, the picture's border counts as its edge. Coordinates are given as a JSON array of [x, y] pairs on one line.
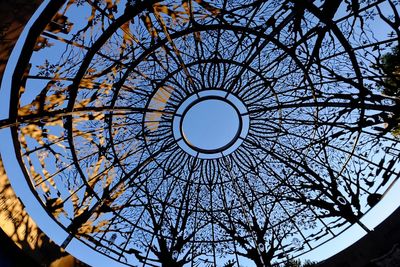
[[100, 85]]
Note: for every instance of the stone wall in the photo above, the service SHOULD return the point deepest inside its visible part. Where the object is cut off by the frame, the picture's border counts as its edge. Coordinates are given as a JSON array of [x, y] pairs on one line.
[[14, 15], [380, 248]]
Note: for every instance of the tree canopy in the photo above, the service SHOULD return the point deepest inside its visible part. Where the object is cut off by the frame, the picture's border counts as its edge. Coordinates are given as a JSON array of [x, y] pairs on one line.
[[391, 69]]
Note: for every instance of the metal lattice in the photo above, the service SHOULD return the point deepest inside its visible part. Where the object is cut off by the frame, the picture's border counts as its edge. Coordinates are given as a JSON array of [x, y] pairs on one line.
[[101, 89]]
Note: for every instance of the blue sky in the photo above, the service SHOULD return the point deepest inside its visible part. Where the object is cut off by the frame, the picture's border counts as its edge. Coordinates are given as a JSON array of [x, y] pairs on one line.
[[223, 122]]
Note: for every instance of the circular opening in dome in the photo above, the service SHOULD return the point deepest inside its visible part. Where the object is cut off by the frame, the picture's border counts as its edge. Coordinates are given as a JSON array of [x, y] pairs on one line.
[[211, 125]]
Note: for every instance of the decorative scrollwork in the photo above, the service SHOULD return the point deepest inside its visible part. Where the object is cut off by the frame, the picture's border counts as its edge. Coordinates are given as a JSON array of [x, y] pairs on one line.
[[93, 119]]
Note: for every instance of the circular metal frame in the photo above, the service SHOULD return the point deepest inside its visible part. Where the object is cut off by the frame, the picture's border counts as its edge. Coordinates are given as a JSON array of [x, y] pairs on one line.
[[96, 118], [216, 150], [191, 101]]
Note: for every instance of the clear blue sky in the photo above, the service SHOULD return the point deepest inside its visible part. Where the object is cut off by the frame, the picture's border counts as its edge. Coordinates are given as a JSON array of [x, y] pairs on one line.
[[209, 126]]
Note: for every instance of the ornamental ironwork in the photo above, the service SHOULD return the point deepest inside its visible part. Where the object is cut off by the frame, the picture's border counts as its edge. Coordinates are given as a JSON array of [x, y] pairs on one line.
[[104, 98]]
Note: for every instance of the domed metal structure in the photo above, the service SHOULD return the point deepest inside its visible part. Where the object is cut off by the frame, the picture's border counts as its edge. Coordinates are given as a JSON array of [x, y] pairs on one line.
[[98, 103]]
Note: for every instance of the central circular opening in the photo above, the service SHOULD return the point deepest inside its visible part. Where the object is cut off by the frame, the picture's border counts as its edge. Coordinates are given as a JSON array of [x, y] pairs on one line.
[[211, 125]]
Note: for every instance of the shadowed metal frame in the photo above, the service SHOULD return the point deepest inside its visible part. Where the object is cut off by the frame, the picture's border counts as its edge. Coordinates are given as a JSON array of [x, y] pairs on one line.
[[300, 173]]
